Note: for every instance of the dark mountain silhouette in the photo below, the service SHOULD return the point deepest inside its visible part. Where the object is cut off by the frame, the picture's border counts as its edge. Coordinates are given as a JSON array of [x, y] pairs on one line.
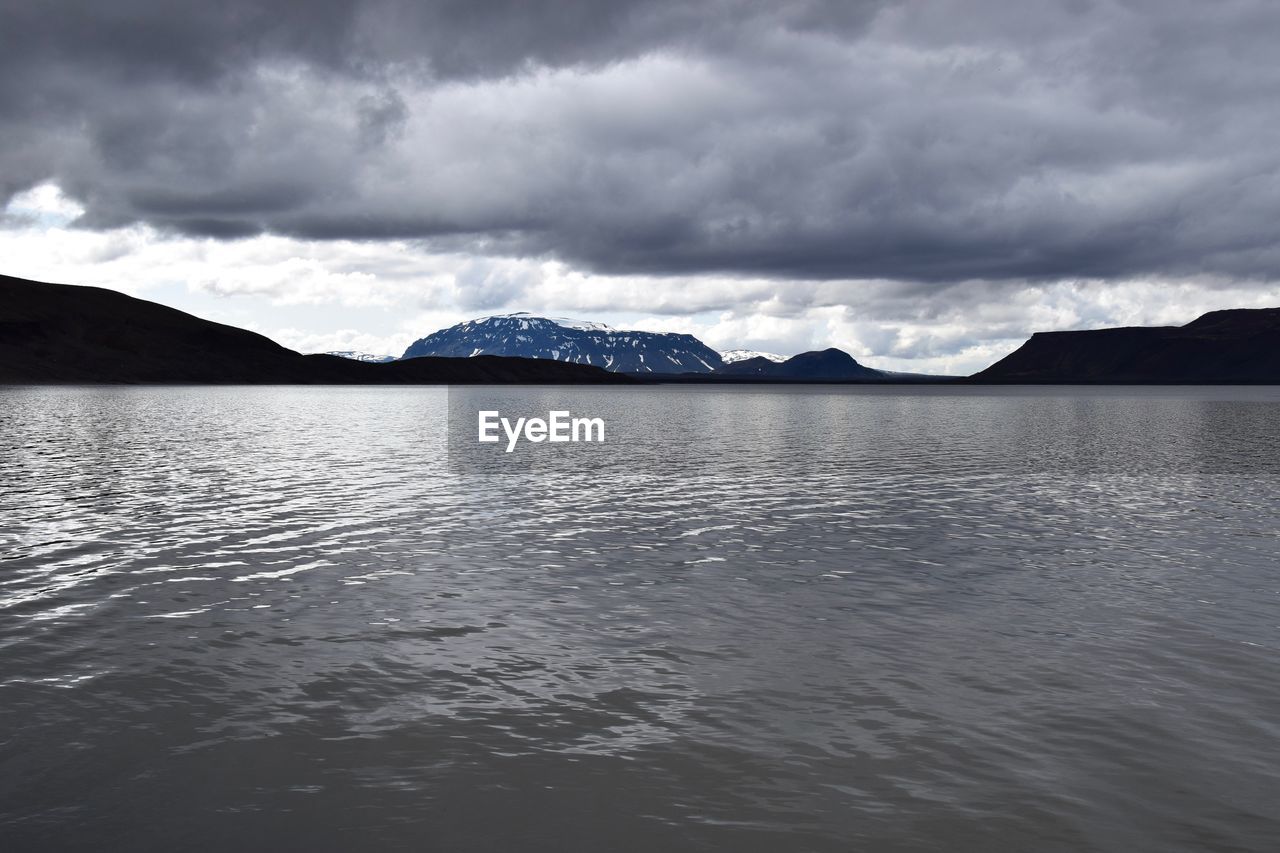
[[755, 366], [65, 333], [828, 365], [1235, 346]]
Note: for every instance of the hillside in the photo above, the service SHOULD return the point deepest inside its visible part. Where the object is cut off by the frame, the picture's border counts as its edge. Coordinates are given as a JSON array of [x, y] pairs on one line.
[[1234, 346], [829, 365], [58, 333]]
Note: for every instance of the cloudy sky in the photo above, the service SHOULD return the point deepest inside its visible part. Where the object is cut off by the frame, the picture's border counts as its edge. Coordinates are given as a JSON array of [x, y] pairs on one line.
[[920, 183]]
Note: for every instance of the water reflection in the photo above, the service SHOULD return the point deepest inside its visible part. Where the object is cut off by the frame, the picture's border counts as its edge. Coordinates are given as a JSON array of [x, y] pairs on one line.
[[759, 619]]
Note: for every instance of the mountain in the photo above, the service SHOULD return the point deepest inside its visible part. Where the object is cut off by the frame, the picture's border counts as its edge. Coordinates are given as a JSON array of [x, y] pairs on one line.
[[63, 333], [362, 356], [1235, 346], [826, 365], [757, 365], [575, 341], [736, 355]]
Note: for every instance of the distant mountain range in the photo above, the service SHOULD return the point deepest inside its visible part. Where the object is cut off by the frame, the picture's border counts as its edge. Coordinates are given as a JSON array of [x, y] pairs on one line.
[[575, 341], [825, 365], [62, 333], [584, 342], [1235, 346]]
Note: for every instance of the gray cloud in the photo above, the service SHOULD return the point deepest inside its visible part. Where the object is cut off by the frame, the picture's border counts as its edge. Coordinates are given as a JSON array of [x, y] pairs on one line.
[[939, 143]]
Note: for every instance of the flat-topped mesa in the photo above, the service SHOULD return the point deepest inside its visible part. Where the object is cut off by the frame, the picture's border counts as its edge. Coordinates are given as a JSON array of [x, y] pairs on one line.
[[575, 341], [1231, 346]]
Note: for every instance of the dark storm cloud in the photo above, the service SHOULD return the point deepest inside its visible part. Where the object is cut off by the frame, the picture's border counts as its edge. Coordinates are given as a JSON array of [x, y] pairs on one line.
[[936, 142]]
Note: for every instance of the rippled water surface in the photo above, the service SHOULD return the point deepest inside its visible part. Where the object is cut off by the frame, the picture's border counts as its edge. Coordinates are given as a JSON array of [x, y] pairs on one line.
[[756, 620]]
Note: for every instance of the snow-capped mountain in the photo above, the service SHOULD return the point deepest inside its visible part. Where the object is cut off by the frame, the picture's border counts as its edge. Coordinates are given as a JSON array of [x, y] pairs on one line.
[[578, 341], [730, 356], [362, 356]]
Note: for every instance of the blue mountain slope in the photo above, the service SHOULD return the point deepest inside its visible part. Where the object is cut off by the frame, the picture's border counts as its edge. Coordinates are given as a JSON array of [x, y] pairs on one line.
[[579, 342]]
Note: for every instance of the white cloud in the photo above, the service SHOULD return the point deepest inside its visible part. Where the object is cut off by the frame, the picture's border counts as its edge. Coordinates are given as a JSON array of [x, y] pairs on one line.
[[380, 296], [44, 204]]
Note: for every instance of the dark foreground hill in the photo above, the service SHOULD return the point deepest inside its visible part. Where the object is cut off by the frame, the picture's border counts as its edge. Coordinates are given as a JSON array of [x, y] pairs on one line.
[[63, 333], [1235, 346], [828, 365]]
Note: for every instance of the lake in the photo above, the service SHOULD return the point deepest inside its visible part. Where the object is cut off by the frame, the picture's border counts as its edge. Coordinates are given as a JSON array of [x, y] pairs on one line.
[[754, 619]]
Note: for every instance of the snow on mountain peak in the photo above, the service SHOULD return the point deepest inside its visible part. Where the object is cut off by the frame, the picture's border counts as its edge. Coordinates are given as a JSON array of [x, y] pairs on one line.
[[566, 322], [730, 356], [563, 339], [361, 356]]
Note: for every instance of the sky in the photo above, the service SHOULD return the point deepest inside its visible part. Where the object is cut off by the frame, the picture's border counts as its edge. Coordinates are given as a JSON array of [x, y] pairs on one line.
[[922, 184]]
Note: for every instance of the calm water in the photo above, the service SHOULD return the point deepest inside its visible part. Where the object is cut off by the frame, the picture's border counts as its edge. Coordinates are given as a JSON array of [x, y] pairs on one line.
[[756, 620]]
